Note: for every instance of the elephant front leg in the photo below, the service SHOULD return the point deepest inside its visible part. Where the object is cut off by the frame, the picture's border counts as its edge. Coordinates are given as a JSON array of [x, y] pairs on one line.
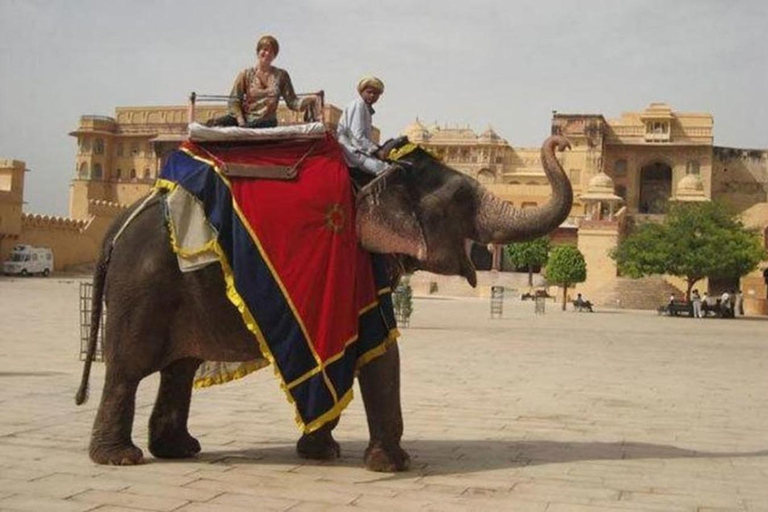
[[168, 434], [111, 437], [380, 387], [320, 444]]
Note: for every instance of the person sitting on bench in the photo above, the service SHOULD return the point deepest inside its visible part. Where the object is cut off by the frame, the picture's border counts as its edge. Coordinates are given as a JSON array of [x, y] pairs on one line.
[[581, 304]]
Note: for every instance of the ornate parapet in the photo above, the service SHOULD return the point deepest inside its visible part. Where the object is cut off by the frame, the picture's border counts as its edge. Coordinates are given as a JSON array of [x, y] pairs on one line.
[[95, 124], [101, 208], [659, 124], [748, 155], [598, 225], [588, 127], [49, 222]]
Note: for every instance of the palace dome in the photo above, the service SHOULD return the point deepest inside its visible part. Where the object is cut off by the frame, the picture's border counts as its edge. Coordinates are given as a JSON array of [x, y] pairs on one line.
[[600, 183], [489, 135], [600, 188], [416, 132]]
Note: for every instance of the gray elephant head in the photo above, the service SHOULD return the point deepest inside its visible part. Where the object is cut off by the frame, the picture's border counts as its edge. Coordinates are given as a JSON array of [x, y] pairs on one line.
[[425, 211]]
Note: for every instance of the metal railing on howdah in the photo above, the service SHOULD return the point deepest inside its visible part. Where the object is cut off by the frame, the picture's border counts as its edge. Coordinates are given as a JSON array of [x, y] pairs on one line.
[[310, 115]]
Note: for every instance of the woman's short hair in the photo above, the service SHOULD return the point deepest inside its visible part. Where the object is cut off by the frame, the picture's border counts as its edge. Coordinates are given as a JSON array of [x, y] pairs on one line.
[[265, 41]]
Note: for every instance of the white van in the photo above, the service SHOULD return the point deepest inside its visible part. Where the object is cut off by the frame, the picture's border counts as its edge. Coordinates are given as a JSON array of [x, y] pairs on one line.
[[26, 260]]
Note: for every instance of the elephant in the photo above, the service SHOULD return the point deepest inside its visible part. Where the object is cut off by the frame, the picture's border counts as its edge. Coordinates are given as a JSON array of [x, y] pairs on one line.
[[161, 319]]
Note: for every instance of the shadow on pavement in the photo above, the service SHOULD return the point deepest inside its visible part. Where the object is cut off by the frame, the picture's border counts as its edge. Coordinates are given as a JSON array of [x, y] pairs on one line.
[[444, 457]]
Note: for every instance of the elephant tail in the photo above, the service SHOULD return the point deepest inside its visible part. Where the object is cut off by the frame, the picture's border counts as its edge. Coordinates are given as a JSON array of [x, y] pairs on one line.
[[97, 302]]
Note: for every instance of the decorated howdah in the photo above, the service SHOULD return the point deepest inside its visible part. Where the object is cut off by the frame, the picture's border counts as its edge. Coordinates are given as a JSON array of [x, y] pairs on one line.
[[279, 217]]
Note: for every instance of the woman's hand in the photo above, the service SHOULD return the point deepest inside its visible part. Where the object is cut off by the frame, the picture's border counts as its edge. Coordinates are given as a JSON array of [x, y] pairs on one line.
[[310, 106]]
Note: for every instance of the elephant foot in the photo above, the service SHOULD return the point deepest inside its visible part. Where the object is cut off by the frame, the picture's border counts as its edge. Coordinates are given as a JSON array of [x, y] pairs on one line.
[[390, 459], [318, 446], [179, 445], [122, 456]]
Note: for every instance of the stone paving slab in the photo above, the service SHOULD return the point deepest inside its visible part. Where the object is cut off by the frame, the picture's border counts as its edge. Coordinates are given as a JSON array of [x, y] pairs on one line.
[[561, 412]]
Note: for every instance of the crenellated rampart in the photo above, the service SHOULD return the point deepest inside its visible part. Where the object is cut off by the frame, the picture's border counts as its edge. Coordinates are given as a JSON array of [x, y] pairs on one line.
[[49, 222]]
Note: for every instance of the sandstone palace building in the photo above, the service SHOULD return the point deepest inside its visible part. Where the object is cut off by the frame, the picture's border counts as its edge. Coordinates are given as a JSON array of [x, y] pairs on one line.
[[623, 171]]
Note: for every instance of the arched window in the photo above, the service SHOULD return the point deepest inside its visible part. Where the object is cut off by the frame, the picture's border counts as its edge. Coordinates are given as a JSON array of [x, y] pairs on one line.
[[98, 147], [146, 174], [692, 167], [621, 191], [86, 145], [133, 174], [82, 172], [486, 177], [96, 172], [135, 149], [119, 174], [655, 187], [620, 168]]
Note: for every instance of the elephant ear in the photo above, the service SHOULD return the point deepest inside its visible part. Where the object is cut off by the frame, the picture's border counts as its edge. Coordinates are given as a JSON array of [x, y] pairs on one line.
[[387, 221]]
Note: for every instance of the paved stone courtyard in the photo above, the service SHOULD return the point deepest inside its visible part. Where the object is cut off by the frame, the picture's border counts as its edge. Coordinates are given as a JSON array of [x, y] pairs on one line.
[[561, 412]]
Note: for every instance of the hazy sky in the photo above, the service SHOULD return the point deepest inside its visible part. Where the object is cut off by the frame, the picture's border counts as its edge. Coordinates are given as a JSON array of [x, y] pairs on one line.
[[476, 63]]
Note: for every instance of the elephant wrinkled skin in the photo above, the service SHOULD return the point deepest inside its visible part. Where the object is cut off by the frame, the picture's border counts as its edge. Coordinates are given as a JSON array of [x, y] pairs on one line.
[[161, 319]]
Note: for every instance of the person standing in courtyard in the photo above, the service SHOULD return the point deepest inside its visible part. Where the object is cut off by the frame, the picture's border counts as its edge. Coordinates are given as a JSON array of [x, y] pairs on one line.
[[696, 301], [739, 303], [355, 129]]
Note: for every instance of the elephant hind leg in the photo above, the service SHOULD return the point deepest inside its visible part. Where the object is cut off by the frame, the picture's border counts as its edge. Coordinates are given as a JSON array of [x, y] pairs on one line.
[[320, 444], [168, 434], [111, 437]]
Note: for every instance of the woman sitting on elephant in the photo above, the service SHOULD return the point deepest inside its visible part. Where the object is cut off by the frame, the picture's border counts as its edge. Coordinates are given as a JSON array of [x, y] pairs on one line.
[[257, 91]]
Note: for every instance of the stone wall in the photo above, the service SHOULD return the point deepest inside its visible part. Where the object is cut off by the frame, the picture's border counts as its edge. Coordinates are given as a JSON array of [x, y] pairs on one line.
[[596, 239], [740, 177], [67, 238], [73, 241]]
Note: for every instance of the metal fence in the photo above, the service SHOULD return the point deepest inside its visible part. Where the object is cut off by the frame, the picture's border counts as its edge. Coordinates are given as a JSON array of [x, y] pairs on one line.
[[497, 301], [86, 295], [402, 301]]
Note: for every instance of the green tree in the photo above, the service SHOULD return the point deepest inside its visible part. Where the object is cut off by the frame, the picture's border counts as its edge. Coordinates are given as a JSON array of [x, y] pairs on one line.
[[566, 267], [533, 253], [694, 241]]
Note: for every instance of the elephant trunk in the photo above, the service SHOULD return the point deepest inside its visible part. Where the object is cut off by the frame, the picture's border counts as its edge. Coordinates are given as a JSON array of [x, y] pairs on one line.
[[499, 222]]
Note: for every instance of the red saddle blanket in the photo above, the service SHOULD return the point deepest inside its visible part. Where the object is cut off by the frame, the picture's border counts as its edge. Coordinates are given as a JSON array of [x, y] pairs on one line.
[[317, 303]]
